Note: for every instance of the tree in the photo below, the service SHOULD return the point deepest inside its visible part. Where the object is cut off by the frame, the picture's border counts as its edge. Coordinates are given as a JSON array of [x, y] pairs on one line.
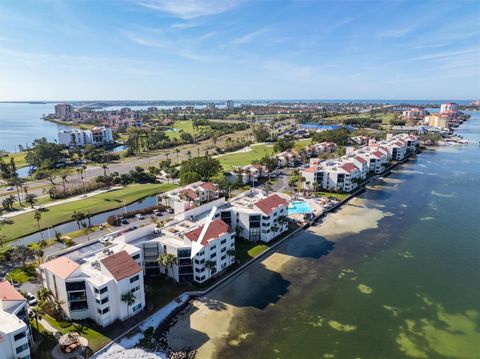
[[167, 260], [36, 313], [206, 167], [8, 202], [283, 144], [31, 199], [105, 168], [78, 217], [260, 133], [23, 254], [17, 182], [267, 188], [44, 154], [128, 298], [211, 266], [37, 217], [189, 177]]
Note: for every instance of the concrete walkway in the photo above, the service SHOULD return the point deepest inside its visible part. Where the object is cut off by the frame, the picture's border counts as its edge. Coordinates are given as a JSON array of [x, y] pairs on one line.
[[49, 328], [63, 201]]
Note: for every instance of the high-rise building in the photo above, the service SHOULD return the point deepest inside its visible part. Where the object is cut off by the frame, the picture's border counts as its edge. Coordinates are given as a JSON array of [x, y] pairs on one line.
[[210, 106], [230, 105], [63, 110]]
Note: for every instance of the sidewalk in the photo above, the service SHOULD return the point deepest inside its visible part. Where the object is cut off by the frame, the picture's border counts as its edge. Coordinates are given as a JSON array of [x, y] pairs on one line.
[[49, 328], [62, 201]]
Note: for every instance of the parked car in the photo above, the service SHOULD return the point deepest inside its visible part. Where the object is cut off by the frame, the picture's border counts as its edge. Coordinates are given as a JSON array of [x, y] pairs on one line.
[[9, 189], [139, 216], [169, 210], [157, 212], [124, 221]]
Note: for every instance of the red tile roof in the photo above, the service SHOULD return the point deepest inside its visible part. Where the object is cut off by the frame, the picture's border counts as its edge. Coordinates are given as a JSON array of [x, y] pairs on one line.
[[349, 167], [214, 230], [61, 267], [8, 292], [121, 265], [190, 193], [378, 154], [268, 204], [310, 169], [209, 186], [361, 159]]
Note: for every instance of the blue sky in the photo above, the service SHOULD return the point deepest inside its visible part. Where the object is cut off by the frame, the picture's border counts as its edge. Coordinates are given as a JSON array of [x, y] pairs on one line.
[[240, 49]]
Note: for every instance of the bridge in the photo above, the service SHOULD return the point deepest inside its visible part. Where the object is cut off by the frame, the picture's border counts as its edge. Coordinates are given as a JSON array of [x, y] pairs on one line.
[[464, 130]]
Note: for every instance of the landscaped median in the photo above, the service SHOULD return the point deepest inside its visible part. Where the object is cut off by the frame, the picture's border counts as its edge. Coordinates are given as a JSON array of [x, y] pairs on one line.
[[25, 224]]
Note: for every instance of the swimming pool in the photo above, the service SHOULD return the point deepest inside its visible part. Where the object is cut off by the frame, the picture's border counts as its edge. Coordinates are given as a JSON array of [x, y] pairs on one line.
[[299, 207]]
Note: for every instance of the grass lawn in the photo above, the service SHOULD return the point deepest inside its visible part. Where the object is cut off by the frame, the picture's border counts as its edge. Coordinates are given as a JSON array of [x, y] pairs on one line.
[[96, 340], [244, 158], [18, 157], [338, 196], [19, 275], [184, 126], [245, 251], [25, 224], [44, 342]]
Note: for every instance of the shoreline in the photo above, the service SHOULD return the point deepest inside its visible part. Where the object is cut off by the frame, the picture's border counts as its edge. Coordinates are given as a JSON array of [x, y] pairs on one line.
[[171, 318]]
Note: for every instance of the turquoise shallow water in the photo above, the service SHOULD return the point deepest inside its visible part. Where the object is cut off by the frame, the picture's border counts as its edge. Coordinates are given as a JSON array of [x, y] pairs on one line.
[[299, 207], [395, 274]]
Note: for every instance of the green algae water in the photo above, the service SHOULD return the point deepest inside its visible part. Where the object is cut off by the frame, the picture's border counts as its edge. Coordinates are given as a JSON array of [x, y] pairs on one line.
[[394, 274]]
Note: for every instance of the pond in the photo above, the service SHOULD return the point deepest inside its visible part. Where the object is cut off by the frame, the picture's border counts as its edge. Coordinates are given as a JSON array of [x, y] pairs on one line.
[[95, 220]]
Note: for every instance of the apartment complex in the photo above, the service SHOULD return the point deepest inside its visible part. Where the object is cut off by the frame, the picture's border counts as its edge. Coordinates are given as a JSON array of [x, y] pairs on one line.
[[97, 136], [344, 174], [230, 105], [95, 285], [15, 332], [253, 215], [192, 196]]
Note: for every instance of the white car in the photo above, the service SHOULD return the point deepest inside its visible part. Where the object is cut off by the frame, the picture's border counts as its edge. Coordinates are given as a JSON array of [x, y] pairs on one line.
[[9, 189], [139, 216]]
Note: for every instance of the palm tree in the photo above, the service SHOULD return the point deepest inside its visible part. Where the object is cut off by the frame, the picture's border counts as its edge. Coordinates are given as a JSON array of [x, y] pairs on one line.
[[128, 298], [178, 152], [45, 295], [167, 155], [31, 199], [78, 217], [105, 168], [189, 154], [37, 217], [238, 231], [39, 254], [17, 182], [211, 266], [167, 260], [37, 314]]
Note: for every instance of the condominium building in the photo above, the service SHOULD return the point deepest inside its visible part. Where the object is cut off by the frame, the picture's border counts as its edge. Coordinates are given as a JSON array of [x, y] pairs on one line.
[[252, 215], [256, 216], [333, 175], [15, 332], [250, 173], [230, 105], [448, 107], [95, 285], [190, 197], [210, 106], [63, 111], [80, 138]]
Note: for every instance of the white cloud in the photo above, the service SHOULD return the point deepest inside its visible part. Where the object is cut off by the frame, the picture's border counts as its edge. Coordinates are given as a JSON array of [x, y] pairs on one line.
[[244, 39], [190, 9], [441, 55]]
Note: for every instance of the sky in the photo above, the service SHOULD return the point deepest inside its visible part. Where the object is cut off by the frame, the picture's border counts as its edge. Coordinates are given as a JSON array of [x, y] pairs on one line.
[[238, 49]]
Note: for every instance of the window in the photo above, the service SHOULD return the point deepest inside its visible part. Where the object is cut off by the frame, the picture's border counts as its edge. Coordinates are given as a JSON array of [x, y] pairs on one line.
[[197, 261], [104, 300], [136, 256], [213, 255], [212, 248], [21, 348], [101, 291], [223, 258], [134, 279], [223, 249], [19, 336], [135, 289], [137, 307], [103, 311], [223, 241]]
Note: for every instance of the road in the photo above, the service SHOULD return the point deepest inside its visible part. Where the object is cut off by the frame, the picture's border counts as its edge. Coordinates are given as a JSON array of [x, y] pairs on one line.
[[144, 160]]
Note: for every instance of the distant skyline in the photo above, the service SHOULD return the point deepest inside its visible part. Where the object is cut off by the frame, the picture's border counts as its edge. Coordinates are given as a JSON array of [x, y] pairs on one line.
[[238, 49]]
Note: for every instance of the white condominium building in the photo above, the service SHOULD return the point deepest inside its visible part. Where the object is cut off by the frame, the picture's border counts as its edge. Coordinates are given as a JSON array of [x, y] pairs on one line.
[[192, 198], [96, 286], [15, 333], [176, 238], [80, 138], [251, 215], [333, 175], [256, 216]]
